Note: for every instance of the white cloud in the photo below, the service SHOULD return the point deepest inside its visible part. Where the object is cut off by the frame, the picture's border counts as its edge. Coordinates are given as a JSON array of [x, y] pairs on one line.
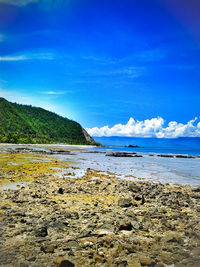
[[18, 2], [13, 58], [31, 56], [150, 128], [54, 92]]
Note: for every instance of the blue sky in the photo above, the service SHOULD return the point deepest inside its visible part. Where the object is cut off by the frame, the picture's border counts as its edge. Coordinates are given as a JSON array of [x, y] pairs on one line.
[[103, 62]]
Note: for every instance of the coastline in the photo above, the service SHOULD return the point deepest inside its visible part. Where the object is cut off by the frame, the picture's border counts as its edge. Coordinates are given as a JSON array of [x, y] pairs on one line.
[[94, 220], [48, 145]]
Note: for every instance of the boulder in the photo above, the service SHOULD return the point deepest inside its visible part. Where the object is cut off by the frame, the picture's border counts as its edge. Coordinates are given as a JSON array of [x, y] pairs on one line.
[[146, 261], [121, 154], [60, 191], [184, 157], [125, 202], [165, 156], [124, 225], [61, 262], [134, 187], [41, 231]]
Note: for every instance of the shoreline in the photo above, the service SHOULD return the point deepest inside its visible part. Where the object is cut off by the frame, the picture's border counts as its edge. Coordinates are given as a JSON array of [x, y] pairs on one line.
[[47, 145], [108, 148], [164, 168], [95, 220]]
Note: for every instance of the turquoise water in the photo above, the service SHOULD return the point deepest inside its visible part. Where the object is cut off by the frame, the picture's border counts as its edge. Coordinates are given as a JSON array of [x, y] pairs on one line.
[[183, 145]]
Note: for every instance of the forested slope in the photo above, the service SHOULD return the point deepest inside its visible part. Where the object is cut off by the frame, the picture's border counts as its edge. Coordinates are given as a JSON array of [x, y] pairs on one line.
[[27, 124]]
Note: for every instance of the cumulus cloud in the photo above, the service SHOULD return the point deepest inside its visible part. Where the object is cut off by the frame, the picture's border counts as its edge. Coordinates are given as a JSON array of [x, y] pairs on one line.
[[150, 128]]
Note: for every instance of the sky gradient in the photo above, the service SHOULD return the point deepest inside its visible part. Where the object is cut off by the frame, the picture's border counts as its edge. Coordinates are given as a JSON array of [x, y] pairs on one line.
[[103, 62]]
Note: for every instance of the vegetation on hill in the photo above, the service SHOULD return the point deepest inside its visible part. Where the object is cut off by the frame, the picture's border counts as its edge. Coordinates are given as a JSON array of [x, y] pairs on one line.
[[27, 124]]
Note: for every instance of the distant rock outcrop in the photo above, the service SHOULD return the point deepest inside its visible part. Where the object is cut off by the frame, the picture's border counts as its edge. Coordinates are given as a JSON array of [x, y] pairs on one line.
[[123, 154], [134, 146]]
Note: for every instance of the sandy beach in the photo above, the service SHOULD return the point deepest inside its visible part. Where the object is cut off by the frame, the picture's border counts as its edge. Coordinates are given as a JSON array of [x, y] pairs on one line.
[[51, 218]]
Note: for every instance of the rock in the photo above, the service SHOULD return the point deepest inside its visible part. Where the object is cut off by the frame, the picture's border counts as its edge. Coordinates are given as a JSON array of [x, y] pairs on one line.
[[36, 264], [138, 197], [135, 262], [153, 210], [4, 208], [58, 225], [71, 244], [146, 261], [102, 232], [188, 263], [101, 253], [48, 249], [166, 257], [185, 157], [87, 244], [71, 214], [44, 201], [134, 187], [196, 189], [85, 232], [196, 251], [165, 156], [125, 202], [159, 265], [173, 237], [97, 258], [61, 191], [125, 225], [120, 154], [100, 221], [61, 262], [41, 231], [135, 225], [24, 264]]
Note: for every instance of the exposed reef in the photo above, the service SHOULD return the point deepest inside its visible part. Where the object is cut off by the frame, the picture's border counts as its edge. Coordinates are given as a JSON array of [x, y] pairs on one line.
[[95, 220]]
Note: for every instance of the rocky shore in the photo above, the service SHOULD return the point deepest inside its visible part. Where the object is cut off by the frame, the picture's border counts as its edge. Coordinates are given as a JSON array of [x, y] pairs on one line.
[[95, 220]]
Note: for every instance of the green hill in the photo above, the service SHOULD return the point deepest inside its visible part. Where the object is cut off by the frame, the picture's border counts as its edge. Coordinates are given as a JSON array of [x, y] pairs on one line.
[[27, 124]]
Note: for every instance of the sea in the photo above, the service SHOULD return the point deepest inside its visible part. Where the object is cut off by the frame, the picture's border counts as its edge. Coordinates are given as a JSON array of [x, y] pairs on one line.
[[182, 145], [181, 171], [150, 167]]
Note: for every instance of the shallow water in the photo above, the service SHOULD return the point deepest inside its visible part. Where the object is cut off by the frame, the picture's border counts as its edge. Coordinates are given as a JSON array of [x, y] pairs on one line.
[[166, 170], [183, 145]]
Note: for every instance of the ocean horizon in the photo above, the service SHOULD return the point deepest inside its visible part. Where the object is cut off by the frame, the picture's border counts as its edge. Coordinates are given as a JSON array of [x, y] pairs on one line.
[[181, 145]]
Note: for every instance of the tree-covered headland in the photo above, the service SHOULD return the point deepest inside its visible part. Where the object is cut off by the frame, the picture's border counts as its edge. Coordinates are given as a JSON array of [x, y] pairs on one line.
[[31, 125]]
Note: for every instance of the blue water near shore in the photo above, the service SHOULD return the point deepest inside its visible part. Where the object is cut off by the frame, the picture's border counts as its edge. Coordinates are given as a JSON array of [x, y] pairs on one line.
[[183, 145], [166, 170]]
